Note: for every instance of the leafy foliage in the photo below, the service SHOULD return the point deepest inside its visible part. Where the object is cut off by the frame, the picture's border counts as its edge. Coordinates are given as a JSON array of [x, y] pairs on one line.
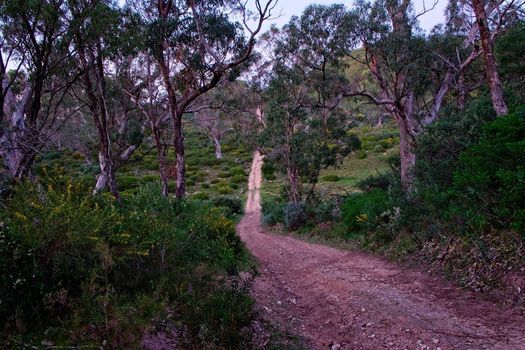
[[233, 206], [438, 149], [381, 181], [492, 174], [70, 260], [273, 212], [268, 170], [361, 210], [294, 215], [510, 52]]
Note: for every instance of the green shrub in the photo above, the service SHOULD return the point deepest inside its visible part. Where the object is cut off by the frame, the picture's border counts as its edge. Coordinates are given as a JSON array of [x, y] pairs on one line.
[[382, 181], [126, 182], [268, 170], [361, 210], [77, 156], [70, 261], [208, 161], [200, 196], [52, 155], [237, 179], [385, 143], [361, 154], [226, 148], [326, 210], [295, 216], [237, 170], [193, 163], [223, 188], [491, 174], [200, 176], [149, 179], [438, 148], [234, 206], [379, 149], [331, 178], [273, 212], [149, 164]]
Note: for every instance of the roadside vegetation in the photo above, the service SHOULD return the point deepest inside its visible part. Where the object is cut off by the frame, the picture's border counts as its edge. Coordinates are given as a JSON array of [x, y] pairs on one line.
[[82, 269]]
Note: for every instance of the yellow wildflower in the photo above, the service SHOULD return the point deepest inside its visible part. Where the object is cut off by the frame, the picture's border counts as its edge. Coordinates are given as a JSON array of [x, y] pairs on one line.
[[20, 216], [361, 218]]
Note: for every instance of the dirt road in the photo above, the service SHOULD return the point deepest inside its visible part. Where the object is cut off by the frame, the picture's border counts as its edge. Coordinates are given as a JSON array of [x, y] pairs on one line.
[[337, 299]]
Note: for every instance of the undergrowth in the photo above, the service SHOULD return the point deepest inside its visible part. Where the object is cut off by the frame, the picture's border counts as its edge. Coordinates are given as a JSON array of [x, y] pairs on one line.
[[83, 270]]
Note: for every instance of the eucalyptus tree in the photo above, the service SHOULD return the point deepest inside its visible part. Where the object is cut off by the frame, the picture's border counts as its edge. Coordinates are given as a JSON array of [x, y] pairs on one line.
[[144, 88], [234, 108], [103, 46], [489, 19], [245, 103], [306, 129], [195, 45], [214, 122], [412, 73], [34, 65]]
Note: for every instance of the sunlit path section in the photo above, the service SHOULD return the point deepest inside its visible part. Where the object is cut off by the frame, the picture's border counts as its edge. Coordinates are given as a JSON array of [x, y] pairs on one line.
[[253, 203]]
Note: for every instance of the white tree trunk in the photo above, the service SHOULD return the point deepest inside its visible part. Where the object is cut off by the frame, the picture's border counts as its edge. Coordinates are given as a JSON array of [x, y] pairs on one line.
[[218, 148], [407, 156], [102, 178], [102, 182], [11, 143], [489, 60]]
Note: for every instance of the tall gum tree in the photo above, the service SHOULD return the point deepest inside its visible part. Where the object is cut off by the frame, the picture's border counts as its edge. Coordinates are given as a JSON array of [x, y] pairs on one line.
[[104, 47], [490, 17], [195, 45], [33, 44], [413, 76], [144, 88], [92, 19], [482, 22], [305, 128]]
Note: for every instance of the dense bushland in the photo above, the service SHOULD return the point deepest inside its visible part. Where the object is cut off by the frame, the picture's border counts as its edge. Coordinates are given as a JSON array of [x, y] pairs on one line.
[[467, 213], [301, 216], [78, 269]]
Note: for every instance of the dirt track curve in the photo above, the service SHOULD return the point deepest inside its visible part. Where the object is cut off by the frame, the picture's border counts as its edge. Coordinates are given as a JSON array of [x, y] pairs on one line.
[[337, 299]]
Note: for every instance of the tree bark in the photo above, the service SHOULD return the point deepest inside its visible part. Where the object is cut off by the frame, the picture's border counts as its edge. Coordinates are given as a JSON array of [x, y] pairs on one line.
[[11, 139], [293, 179], [161, 151], [407, 156], [489, 60], [180, 160], [164, 182], [178, 136], [380, 120], [96, 90], [462, 91], [218, 148]]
